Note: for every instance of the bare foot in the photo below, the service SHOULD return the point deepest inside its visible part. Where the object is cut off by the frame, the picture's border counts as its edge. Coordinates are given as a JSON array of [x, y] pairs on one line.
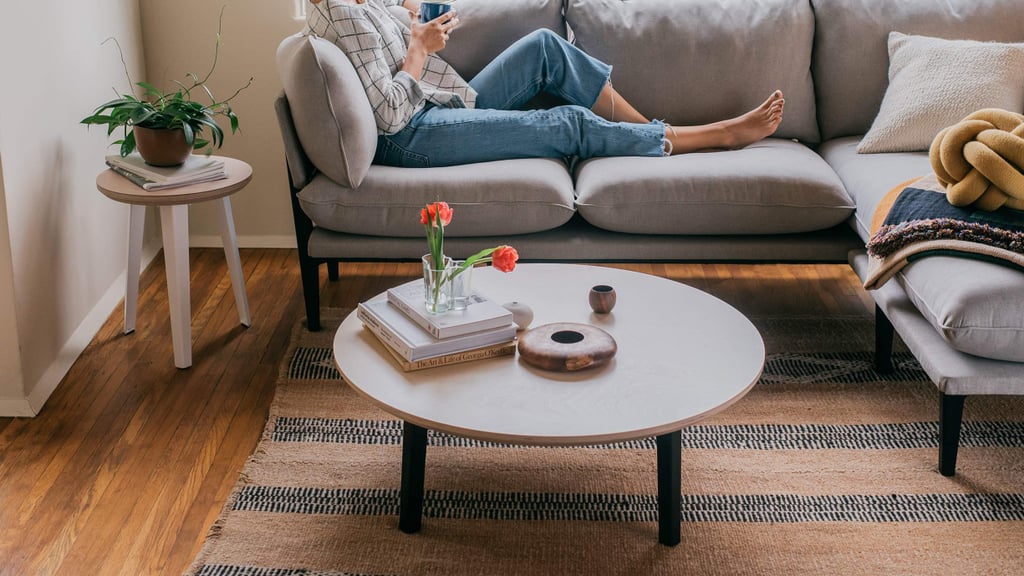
[[737, 132], [759, 123]]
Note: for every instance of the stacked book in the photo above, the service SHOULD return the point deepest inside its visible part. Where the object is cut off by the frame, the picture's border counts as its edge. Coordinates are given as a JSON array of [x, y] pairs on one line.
[[420, 340], [196, 169]]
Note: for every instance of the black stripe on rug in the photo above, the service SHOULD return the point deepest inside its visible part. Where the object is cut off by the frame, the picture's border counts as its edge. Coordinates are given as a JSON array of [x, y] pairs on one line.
[[228, 570], [898, 436], [825, 368], [773, 508]]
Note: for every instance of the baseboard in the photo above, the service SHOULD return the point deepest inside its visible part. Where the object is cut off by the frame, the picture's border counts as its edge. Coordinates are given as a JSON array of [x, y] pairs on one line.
[[40, 392], [210, 241], [13, 407]]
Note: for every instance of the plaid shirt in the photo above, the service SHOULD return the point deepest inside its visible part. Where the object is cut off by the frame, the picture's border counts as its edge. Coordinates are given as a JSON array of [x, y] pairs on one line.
[[376, 43]]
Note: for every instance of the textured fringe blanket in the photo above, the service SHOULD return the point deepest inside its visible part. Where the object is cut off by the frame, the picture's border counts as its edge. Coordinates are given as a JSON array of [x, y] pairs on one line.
[[915, 220]]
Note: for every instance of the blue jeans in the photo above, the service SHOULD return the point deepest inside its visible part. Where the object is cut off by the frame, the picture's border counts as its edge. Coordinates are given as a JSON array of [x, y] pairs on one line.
[[498, 129]]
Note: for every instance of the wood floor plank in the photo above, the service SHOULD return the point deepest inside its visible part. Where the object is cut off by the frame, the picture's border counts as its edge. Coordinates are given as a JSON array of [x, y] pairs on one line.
[[131, 460]]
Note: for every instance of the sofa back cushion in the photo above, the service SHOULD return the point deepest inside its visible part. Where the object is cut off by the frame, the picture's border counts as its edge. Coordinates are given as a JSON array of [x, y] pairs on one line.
[[699, 61], [851, 59], [329, 107], [486, 27]]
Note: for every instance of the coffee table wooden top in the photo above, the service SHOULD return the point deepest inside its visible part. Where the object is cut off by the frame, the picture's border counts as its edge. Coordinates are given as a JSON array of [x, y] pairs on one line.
[[682, 356]]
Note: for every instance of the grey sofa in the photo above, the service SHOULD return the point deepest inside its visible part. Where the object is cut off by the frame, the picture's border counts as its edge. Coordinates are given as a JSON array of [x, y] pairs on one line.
[[803, 195]]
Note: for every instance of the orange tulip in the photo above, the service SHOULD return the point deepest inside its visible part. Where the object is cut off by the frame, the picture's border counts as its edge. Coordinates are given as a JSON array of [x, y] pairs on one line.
[[504, 258]]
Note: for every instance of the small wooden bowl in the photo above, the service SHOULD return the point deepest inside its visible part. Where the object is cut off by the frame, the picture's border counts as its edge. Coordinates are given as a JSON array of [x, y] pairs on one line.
[[602, 298], [566, 347]]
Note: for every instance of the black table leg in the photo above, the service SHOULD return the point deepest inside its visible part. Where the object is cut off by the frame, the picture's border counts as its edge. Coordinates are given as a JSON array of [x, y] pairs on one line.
[[669, 487], [414, 459]]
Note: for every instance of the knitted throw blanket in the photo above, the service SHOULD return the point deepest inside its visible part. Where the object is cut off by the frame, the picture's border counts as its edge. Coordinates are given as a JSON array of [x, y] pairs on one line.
[[915, 220]]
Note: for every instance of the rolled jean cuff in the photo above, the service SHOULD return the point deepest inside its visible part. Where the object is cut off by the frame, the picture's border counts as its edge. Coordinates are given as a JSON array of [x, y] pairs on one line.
[[605, 72], [666, 144]]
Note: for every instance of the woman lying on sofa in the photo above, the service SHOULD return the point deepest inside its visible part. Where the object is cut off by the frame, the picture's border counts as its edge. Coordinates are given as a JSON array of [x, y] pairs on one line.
[[428, 115]]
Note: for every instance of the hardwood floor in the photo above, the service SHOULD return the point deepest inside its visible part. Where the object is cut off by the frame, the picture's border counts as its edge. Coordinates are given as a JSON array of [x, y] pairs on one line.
[[131, 459]]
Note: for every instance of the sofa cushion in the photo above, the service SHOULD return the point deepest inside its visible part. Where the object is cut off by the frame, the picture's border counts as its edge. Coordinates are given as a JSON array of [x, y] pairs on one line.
[[699, 62], [868, 177], [489, 198], [332, 115], [976, 306], [487, 27], [935, 83], [851, 61], [771, 187]]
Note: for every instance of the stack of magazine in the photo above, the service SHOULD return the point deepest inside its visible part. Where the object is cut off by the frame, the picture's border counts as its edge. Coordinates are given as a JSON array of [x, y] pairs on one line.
[[421, 340], [196, 169]]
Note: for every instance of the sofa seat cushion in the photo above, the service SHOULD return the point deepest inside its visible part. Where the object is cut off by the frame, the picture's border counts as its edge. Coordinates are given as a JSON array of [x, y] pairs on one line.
[[975, 306], [771, 187], [868, 177], [489, 198], [692, 63]]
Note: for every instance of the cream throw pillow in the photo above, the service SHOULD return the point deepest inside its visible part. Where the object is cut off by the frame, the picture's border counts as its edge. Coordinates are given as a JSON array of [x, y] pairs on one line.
[[934, 83]]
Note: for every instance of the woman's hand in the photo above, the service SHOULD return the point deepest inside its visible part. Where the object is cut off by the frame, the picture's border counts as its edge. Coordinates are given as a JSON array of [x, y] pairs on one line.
[[433, 36]]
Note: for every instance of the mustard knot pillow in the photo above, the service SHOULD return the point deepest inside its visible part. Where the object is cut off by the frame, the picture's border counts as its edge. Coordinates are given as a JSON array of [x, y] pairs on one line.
[[979, 160]]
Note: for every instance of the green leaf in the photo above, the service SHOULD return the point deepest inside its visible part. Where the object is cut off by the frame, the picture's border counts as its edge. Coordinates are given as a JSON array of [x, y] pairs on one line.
[[96, 119], [190, 136], [128, 144], [150, 89], [140, 115]]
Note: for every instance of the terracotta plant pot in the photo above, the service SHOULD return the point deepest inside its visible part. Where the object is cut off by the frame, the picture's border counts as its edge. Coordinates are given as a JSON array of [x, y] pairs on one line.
[[161, 146]]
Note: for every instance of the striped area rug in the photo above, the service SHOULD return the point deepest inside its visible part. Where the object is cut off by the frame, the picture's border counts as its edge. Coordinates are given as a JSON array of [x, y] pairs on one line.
[[826, 467]]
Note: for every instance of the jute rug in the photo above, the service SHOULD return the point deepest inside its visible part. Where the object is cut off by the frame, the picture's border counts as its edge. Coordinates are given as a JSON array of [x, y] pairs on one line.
[[826, 467]]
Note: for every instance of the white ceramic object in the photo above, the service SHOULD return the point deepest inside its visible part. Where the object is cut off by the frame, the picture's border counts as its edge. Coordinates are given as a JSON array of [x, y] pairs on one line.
[[522, 314]]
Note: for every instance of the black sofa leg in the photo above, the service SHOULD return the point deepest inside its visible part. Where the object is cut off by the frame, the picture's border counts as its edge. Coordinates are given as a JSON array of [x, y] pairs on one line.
[[310, 271], [332, 271], [309, 268], [884, 333], [951, 413]]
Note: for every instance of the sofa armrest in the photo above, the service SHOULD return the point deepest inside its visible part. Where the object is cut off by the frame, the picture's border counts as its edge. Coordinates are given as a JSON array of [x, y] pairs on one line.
[[299, 166]]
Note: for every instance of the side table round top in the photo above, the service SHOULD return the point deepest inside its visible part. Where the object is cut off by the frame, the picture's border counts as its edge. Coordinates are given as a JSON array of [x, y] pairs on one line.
[[682, 356], [117, 187]]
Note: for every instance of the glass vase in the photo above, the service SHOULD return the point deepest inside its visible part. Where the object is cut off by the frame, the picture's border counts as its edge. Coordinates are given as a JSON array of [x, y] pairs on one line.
[[437, 291], [462, 285]]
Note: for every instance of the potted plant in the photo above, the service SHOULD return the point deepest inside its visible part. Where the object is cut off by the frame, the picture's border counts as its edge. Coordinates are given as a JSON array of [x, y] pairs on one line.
[[167, 126]]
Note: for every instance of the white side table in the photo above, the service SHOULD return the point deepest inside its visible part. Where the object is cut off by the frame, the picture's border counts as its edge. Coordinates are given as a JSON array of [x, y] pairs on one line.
[[174, 203]]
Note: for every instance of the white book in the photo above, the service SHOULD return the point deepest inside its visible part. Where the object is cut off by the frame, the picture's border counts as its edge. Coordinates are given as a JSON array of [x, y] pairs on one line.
[[410, 341], [194, 166], [481, 313], [147, 184]]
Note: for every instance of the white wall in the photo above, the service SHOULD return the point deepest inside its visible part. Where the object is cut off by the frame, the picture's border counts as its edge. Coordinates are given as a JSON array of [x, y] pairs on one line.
[[11, 384], [180, 38], [66, 241], [62, 243]]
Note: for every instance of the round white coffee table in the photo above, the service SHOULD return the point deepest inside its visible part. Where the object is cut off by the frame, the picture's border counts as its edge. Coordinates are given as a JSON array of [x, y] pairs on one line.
[[682, 356]]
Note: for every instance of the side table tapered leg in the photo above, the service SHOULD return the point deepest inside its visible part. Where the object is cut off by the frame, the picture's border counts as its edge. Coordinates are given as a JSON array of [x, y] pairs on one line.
[[669, 487], [136, 223], [227, 235], [414, 459], [174, 221]]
